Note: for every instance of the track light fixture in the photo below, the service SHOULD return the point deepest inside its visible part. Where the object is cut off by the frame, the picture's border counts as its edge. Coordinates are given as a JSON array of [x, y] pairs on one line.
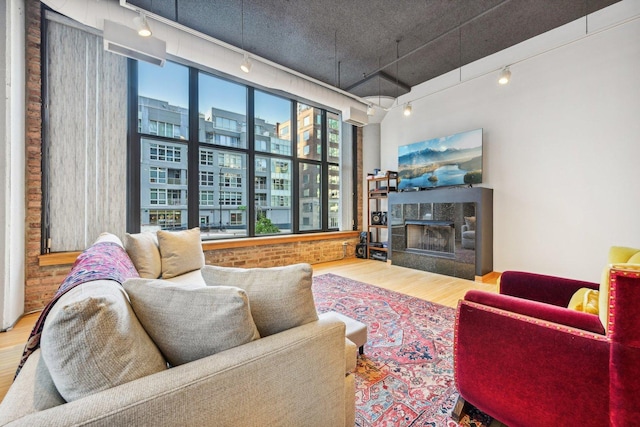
[[246, 64], [505, 76], [142, 26], [407, 109], [370, 110]]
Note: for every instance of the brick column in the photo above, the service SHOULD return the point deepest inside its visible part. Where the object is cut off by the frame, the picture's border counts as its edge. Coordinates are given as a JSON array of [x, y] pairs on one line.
[[41, 282]]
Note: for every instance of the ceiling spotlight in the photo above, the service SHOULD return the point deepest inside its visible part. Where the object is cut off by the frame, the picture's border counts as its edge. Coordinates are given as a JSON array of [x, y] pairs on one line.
[[371, 111], [505, 76], [246, 64], [142, 26], [407, 109]]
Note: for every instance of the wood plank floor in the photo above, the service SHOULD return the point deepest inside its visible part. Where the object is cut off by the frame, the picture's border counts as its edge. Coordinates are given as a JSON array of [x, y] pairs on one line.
[[443, 290]]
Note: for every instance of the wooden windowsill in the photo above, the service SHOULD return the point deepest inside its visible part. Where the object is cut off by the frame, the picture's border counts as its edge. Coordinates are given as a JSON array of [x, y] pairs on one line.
[[64, 258]]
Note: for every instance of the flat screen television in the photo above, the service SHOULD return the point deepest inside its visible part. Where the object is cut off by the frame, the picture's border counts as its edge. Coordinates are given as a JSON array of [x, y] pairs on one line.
[[438, 162]]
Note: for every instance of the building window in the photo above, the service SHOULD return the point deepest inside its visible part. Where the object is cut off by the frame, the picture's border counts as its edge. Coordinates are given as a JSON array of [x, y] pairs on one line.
[[207, 178], [174, 197], [230, 198], [207, 198], [279, 184], [228, 160], [261, 183], [164, 153], [158, 196], [261, 199], [157, 175], [206, 157], [236, 218], [281, 201], [232, 180]]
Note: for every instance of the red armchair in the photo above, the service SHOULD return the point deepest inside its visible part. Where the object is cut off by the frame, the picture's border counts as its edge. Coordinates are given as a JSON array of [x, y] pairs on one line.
[[525, 359]]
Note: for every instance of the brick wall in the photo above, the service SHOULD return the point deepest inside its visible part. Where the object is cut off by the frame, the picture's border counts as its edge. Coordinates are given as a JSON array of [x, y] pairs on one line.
[[42, 282], [283, 254]]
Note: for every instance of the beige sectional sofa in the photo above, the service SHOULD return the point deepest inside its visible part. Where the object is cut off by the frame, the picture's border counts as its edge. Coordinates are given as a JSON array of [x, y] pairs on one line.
[[101, 342]]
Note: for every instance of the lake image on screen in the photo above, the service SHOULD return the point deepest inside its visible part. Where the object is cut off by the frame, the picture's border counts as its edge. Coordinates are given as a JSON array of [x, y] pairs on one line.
[[450, 160]]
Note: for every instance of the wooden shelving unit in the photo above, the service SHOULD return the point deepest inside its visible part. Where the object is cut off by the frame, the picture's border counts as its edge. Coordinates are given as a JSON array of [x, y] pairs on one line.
[[379, 187]]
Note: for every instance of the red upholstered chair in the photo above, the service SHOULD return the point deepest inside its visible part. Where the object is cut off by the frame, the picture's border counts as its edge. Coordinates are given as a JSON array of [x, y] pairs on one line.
[[523, 358]]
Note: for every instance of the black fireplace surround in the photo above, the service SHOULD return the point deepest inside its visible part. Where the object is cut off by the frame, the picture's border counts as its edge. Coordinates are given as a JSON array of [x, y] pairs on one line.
[[445, 230]]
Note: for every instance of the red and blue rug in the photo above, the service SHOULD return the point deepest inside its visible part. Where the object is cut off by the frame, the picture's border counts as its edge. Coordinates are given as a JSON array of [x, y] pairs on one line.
[[405, 377]]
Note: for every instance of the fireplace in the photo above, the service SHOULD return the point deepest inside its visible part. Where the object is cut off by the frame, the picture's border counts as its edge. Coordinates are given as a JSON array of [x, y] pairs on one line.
[[432, 237], [427, 229]]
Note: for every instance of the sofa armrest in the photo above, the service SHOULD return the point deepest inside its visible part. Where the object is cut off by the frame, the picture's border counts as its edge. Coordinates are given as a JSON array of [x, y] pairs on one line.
[[537, 287], [507, 364], [538, 310], [291, 378]]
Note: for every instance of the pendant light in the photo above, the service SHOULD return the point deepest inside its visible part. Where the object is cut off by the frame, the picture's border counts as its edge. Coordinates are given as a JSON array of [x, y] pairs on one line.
[[246, 62]]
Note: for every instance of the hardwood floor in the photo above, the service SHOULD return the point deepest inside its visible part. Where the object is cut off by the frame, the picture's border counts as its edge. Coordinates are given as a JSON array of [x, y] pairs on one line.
[[11, 345], [443, 290], [432, 287]]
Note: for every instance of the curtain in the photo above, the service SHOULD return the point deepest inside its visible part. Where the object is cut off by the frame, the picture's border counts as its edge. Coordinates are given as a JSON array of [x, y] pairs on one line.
[[85, 139]]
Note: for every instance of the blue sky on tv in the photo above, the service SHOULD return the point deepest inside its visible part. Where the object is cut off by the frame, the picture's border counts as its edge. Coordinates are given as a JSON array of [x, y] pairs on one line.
[[469, 139]]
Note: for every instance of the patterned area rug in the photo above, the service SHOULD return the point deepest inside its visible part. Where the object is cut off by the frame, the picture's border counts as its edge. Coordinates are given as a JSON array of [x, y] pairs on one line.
[[405, 377]]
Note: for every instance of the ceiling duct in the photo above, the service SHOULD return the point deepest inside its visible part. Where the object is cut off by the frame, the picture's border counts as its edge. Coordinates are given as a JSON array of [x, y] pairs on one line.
[[355, 116], [125, 41]]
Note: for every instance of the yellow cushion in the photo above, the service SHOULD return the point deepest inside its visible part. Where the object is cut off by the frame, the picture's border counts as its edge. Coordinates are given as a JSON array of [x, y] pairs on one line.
[[619, 256], [585, 300]]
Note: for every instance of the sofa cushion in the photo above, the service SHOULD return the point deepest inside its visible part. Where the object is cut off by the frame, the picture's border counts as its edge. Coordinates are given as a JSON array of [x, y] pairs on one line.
[[180, 251], [144, 252], [189, 322], [92, 341], [281, 297]]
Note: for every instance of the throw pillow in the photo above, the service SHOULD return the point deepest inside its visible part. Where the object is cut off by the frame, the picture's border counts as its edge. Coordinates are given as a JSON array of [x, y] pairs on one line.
[[180, 251], [92, 341], [585, 300], [189, 322], [281, 297], [470, 222], [144, 252]]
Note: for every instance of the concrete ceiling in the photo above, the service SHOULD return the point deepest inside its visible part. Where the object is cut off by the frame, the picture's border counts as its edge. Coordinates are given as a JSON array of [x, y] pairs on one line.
[[372, 47]]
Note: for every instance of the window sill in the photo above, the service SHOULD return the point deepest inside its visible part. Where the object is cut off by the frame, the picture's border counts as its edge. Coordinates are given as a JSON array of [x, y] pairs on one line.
[[65, 258]]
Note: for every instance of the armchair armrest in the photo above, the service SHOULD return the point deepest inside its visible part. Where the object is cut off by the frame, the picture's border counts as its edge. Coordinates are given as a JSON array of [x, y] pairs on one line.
[[537, 287], [506, 365], [538, 310]]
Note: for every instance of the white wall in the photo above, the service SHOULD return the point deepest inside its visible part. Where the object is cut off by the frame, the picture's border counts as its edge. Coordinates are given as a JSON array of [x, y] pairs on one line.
[[12, 162], [561, 143]]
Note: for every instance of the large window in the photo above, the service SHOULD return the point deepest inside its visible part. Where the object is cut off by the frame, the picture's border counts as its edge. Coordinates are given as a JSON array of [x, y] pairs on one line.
[[295, 187]]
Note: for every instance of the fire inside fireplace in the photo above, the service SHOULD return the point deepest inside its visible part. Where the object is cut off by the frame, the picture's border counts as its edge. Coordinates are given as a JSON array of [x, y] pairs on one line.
[[435, 237]]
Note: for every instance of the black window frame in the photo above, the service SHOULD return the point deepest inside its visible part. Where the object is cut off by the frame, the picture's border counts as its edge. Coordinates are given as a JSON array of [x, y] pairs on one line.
[[193, 146]]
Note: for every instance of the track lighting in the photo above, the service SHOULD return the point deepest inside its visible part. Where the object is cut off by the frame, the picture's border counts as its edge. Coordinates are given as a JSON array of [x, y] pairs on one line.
[[142, 26], [246, 64], [407, 109], [370, 110], [505, 76]]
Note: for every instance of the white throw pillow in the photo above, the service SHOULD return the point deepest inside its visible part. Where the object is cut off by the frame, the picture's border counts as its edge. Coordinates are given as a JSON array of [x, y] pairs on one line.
[[189, 322], [144, 253], [281, 297], [181, 251], [92, 341]]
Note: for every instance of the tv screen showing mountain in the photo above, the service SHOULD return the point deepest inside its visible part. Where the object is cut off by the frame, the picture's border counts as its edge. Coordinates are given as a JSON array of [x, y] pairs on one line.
[[438, 162]]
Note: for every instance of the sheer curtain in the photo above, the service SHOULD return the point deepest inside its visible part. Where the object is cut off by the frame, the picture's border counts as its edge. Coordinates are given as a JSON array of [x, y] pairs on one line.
[[85, 135]]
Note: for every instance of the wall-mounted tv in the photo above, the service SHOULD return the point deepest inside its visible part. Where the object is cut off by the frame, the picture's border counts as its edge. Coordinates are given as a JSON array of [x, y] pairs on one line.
[[438, 162]]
